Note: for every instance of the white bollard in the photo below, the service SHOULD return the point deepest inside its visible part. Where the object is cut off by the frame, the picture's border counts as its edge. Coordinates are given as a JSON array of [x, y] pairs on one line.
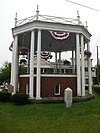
[[68, 97]]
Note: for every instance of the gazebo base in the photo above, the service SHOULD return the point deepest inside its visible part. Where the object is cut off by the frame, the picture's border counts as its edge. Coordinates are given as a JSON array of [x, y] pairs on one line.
[[61, 99]]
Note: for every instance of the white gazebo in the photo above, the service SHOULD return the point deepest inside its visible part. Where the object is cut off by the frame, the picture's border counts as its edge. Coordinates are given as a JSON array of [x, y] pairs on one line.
[[32, 29]]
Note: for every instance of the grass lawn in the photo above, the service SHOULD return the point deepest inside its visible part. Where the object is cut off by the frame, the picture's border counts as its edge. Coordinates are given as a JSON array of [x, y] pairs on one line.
[[82, 117]]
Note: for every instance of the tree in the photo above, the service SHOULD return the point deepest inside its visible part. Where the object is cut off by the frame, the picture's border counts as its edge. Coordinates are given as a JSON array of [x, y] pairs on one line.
[[98, 74], [5, 73]]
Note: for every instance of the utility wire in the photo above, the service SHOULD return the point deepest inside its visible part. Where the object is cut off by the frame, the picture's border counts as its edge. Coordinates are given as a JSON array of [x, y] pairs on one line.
[[83, 5]]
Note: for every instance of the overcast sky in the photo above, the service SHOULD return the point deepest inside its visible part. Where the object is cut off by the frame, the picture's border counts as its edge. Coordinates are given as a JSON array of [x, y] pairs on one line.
[[61, 8]]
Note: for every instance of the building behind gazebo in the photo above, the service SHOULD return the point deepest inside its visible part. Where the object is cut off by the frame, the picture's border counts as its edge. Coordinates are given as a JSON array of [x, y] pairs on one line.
[[41, 33]]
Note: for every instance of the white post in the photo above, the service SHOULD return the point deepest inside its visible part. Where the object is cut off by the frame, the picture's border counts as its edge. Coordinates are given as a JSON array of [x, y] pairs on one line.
[[75, 60], [38, 79], [78, 66], [28, 65], [73, 66], [15, 65], [64, 70], [56, 61], [68, 97], [59, 62], [82, 66], [31, 85], [89, 71], [12, 64]]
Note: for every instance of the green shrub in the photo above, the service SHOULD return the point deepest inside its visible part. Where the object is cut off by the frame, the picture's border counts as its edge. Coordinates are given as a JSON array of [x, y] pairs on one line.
[[19, 98], [4, 96], [96, 88]]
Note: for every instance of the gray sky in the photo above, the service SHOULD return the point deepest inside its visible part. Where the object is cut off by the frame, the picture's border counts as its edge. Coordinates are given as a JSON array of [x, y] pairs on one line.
[[61, 8]]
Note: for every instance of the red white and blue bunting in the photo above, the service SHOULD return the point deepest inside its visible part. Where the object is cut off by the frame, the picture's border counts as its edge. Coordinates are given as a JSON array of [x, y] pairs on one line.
[[46, 55], [59, 35]]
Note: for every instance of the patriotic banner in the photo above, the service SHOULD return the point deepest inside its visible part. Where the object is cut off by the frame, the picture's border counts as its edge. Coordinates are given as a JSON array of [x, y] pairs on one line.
[[58, 41]]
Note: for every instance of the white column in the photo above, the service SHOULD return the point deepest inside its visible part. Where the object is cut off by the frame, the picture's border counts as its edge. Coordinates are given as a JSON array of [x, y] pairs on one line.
[[38, 78], [31, 80], [56, 61], [82, 66], [89, 71], [28, 65], [75, 60], [78, 66], [73, 65], [59, 62], [12, 64], [15, 65]]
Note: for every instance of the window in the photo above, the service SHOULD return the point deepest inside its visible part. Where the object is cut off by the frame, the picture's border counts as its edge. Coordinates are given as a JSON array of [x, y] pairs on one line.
[[57, 89]]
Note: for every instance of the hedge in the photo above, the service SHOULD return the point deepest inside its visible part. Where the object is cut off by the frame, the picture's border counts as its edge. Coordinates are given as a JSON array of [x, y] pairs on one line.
[[4, 96], [96, 88], [19, 98]]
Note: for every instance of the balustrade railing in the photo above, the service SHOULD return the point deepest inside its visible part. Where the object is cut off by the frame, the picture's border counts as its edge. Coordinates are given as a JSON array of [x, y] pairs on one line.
[[48, 18], [52, 71]]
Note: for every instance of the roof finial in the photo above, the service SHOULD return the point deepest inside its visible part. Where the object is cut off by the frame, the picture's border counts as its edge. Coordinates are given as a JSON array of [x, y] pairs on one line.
[[78, 17], [16, 19], [37, 13], [37, 7], [86, 25]]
